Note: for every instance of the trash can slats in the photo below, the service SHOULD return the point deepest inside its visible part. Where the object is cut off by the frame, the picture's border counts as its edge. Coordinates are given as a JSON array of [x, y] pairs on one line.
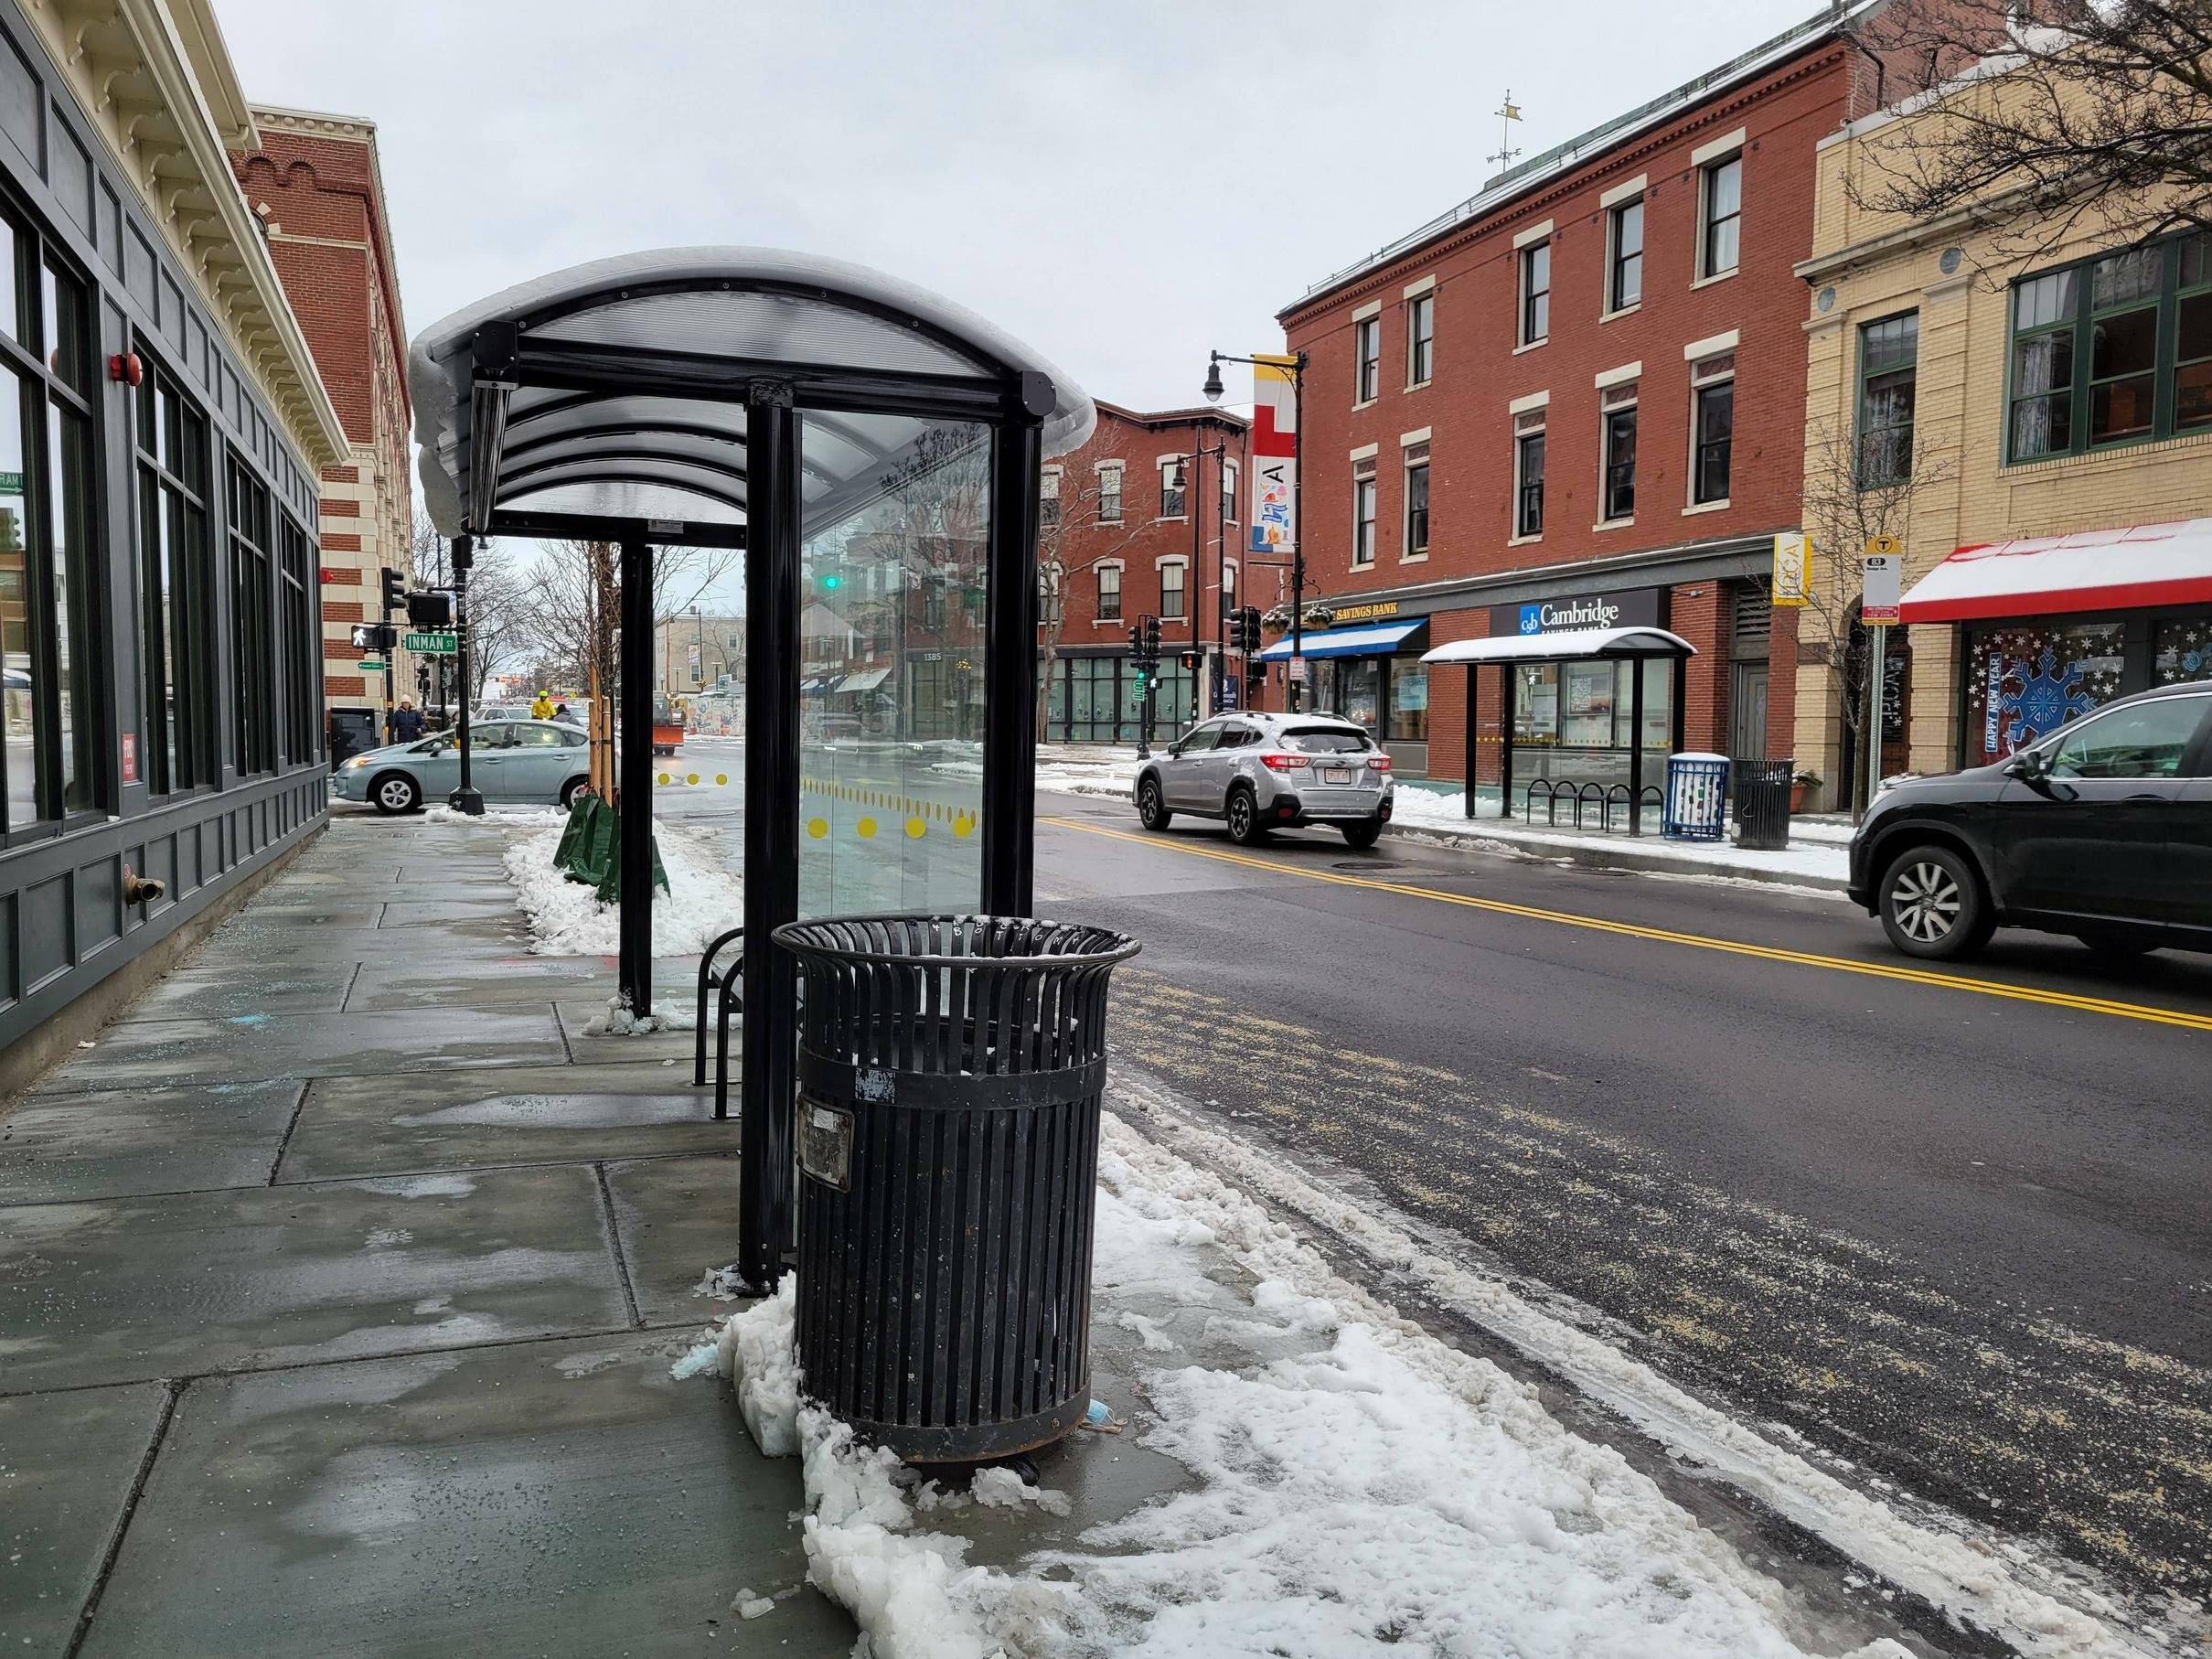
[[950, 1074]]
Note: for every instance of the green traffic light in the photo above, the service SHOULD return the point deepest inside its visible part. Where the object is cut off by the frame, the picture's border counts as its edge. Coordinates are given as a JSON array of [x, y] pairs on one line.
[[833, 581]]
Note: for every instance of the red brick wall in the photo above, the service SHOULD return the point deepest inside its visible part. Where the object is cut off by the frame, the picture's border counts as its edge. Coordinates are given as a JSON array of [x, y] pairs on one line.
[[1478, 370], [1142, 538]]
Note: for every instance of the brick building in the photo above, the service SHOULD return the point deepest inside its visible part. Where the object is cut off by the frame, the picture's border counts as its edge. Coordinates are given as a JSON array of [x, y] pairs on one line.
[[2003, 382], [1578, 397], [314, 184], [1136, 523]]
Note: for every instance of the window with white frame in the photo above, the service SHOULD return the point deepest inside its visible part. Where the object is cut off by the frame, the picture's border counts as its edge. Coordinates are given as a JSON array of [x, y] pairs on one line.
[[1171, 591], [1228, 492], [1228, 584], [1363, 513], [1617, 487], [1415, 525], [1048, 498], [1528, 472], [1420, 337], [1171, 488], [1624, 264], [1110, 492], [1109, 593], [1712, 428], [1367, 352], [1535, 293], [1720, 200]]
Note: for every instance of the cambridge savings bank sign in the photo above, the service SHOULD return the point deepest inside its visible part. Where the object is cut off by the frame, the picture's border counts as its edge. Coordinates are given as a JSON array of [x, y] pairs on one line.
[[1636, 609]]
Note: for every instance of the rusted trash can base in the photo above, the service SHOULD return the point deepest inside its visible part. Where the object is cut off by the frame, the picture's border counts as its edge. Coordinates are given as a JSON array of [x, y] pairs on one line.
[[950, 1071]]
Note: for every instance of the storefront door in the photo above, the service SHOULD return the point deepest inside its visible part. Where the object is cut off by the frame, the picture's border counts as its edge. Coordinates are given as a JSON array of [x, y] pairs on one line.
[[1747, 712]]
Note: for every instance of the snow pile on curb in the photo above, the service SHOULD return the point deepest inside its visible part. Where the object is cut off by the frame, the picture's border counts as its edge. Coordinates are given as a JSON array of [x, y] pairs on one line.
[[566, 919], [1446, 814], [1357, 1483], [619, 1020]]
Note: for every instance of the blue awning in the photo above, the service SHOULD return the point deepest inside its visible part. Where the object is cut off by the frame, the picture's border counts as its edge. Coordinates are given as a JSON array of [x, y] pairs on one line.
[[1374, 639]]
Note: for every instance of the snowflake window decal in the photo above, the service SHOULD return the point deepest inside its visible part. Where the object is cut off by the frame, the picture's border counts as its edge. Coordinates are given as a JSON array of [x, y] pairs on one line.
[[2046, 699]]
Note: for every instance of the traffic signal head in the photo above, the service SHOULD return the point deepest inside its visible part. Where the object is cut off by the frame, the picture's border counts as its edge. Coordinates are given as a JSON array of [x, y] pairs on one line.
[[429, 610], [394, 595], [1152, 636], [1136, 640], [1191, 659]]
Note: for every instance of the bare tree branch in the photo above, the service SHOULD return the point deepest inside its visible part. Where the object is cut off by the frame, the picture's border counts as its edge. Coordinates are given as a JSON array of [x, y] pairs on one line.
[[2102, 124]]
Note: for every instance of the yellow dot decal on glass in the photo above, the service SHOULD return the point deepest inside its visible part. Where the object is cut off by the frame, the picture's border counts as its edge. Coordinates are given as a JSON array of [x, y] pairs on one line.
[[963, 824], [867, 829], [721, 778], [915, 827], [694, 776], [817, 827], [664, 778]]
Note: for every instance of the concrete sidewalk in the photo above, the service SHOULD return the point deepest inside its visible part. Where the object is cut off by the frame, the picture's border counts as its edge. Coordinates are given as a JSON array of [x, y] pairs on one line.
[[339, 1284]]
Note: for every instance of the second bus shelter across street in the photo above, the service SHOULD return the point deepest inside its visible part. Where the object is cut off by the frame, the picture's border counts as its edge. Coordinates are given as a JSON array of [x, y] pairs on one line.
[[1515, 653], [873, 449]]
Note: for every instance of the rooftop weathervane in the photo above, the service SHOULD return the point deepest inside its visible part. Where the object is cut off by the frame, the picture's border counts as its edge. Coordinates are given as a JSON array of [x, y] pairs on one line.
[[1507, 112]]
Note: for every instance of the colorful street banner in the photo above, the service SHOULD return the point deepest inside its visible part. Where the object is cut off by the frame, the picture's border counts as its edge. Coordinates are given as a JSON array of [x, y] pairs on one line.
[[1792, 569], [1274, 453]]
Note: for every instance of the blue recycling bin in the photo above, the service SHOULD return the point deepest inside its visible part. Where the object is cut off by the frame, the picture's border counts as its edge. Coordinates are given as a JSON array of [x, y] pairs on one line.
[[1697, 797]]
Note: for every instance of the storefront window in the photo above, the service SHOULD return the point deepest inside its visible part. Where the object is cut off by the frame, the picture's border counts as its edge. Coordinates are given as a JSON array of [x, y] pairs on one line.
[[2181, 651], [1362, 690], [2026, 679], [1409, 703]]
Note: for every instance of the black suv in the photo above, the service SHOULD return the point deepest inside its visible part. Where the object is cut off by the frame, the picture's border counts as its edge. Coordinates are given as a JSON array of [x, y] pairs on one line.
[[2102, 829]]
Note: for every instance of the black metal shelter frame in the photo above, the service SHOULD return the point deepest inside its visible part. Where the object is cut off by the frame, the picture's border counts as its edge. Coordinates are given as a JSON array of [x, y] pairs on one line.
[[721, 432], [1633, 645]]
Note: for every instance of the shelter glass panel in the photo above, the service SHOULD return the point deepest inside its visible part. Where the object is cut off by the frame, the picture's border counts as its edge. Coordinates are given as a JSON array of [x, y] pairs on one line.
[[892, 569]]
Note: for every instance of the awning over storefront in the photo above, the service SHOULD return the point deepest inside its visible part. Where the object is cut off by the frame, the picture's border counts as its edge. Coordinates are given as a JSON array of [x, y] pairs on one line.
[[1568, 645], [867, 680], [2099, 570], [1377, 639]]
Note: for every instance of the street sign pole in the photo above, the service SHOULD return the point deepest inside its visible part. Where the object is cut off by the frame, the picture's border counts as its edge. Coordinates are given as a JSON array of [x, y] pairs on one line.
[[465, 798], [1881, 602]]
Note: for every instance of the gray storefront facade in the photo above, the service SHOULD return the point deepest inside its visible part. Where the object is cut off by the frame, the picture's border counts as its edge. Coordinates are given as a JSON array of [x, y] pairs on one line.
[[159, 588]]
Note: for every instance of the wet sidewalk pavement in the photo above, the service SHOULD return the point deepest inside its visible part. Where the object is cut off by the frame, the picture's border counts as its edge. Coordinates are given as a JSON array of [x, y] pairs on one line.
[[340, 1286]]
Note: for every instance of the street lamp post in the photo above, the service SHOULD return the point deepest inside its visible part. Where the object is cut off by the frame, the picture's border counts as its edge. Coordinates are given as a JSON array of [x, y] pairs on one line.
[[1191, 491], [1296, 364]]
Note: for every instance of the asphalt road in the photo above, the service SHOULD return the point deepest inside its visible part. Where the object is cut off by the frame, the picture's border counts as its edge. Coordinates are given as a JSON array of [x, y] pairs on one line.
[[1952, 1225]]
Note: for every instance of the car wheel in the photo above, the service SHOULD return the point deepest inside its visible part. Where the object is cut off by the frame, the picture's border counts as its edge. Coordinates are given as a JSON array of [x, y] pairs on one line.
[[1932, 905], [570, 790], [1151, 805], [1364, 836], [395, 792], [1244, 828]]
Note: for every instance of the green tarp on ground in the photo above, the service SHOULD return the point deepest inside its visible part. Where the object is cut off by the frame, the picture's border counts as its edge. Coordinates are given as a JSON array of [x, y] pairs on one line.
[[591, 850]]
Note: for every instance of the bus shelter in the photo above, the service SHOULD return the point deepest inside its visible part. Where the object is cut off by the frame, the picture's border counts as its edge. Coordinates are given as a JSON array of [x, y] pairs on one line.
[[1516, 653], [873, 450]]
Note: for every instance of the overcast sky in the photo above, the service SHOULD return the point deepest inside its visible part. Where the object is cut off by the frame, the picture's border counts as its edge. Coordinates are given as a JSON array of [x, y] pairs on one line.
[[1122, 187]]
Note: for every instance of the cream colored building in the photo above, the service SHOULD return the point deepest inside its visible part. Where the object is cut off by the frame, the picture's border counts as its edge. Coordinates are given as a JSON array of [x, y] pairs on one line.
[[2044, 381]]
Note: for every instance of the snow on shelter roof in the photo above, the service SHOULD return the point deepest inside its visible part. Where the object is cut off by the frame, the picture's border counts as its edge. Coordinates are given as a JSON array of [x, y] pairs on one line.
[[655, 456], [1569, 644], [1543, 169]]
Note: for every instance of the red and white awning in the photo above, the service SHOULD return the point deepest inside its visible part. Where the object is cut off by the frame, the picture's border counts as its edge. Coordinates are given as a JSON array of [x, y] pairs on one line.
[[2091, 570]]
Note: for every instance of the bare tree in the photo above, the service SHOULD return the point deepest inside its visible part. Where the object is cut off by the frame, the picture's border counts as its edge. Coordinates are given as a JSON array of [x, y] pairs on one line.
[[569, 603], [1075, 538], [2100, 121], [1857, 487], [495, 592]]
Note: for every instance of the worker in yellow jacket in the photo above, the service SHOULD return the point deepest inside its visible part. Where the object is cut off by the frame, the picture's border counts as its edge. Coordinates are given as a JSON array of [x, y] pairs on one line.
[[541, 707]]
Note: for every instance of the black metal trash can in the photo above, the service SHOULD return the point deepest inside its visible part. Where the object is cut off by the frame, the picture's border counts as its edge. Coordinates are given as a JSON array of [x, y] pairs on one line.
[[1762, 804], [949, 1075]]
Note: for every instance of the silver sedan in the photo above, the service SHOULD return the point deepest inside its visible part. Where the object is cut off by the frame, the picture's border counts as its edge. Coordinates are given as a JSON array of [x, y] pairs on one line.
[[509, 760]]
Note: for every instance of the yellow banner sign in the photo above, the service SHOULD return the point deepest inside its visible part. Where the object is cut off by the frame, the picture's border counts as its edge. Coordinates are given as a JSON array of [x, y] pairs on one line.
[[1792, 569]]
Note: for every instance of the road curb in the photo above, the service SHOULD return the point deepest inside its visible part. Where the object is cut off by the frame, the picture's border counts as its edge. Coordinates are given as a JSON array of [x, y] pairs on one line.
[[1606, 857]]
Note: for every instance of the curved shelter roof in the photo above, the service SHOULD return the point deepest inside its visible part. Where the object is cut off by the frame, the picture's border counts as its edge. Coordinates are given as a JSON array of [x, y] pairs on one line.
[[618, 389]]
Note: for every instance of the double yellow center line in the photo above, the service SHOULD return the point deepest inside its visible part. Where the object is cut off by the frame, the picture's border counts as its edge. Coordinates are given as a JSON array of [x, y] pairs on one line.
[[1768, 953]]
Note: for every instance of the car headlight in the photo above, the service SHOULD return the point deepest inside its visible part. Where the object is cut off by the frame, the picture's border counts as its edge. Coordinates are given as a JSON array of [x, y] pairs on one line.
[[357, 763]]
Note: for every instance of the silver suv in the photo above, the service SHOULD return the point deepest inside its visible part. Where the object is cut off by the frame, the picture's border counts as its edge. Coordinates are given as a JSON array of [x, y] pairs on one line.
[[1264, 772]]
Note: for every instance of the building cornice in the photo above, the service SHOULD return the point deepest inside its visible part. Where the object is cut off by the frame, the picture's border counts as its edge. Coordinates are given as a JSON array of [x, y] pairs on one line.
[[136, 77], [360, 130]]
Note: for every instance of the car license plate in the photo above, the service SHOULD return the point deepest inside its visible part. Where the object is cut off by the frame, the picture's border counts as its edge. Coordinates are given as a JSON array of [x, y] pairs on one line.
[[1336, 775]]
